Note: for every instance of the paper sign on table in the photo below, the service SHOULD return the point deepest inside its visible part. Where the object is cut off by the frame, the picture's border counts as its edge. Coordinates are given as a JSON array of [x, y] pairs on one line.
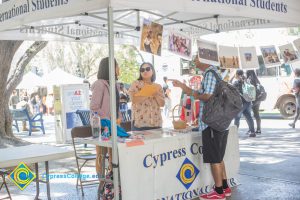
[[147, 91], [134, 143]]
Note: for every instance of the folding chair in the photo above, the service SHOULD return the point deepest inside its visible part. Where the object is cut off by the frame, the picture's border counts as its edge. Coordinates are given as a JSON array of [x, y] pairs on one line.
[[82, 132], [3, 173]]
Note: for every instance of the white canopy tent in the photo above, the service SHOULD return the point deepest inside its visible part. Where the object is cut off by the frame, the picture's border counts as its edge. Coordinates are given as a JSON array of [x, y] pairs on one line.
[[82, 20], [30, 81], [60, 77], [53, 20]]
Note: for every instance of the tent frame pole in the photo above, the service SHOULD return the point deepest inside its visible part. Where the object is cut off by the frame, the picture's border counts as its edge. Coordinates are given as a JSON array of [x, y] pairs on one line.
[[178, 21], [113, 109]]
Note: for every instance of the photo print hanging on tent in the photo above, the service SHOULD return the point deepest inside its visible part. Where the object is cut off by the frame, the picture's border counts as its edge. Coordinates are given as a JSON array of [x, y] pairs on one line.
[[288, 53], [180, 44], [151, 37], [248, 58], [297, 44], [208, 52], [270, 56], [229, 57]]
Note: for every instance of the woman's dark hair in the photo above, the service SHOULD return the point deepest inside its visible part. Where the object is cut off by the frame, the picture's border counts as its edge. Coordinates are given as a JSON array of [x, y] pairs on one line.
[[153, 78], [297, 72], [103, 71], [240, 72], [122, 86], [250, 74]]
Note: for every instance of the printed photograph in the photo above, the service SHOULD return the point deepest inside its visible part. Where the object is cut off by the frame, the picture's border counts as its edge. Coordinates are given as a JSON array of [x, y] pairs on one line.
[[248, 58], [208, 52], [151, 38], [229, 57], [297, 44], [180, 44], [270, 55], [288, 53]]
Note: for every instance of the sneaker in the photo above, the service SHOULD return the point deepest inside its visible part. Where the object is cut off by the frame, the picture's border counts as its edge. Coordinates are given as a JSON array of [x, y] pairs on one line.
[[248, 132], [213, 195], [252, 134], [227, 192], [292, 125], [258, 132]]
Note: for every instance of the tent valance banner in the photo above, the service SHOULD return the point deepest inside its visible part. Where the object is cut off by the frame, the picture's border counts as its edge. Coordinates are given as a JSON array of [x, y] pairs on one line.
[[297, 44], [151, 37], [248, 58], [15, 13], [208, 52], [180, 44], [287, 11], [270, 56], [229, 57], [288, 53]]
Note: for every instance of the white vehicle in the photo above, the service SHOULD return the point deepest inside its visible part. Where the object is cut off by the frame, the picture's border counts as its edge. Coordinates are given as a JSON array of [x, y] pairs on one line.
[[277, 82]]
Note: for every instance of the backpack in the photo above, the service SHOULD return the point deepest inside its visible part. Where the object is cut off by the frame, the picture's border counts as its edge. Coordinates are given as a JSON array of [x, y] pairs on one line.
[[249, 91], [223, 106], [261, 94]]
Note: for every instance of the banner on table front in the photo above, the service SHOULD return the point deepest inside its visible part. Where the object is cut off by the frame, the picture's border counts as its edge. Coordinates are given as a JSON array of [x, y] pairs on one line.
[[172, 168]]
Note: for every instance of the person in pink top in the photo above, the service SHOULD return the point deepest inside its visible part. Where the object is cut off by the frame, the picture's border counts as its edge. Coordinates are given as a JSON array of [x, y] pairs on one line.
[[100, 103]]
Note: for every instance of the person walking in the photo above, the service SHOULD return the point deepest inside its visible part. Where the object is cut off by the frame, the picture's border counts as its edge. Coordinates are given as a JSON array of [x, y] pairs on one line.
[[124, 99], [260, 96], [247, 105], [14, 100], [213, 147], [296, 90], [168, 100]]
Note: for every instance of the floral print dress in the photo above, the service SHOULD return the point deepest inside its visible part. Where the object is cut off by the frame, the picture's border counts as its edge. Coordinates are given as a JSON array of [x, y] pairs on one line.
[[146, 113]]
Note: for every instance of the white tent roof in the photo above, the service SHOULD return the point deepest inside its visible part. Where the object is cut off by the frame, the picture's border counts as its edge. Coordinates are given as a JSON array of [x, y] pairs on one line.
[[60, 77], [30, 80], [85, 20]]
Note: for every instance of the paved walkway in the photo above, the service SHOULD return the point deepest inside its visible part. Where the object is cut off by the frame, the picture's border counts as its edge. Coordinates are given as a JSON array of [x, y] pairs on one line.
[[269, 166]]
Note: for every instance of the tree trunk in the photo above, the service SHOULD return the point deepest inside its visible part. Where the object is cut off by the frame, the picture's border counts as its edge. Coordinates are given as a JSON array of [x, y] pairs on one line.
[[7, 85]]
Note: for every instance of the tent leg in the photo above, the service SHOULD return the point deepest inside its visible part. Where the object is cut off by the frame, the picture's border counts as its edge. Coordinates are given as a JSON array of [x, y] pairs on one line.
[[112, 80]]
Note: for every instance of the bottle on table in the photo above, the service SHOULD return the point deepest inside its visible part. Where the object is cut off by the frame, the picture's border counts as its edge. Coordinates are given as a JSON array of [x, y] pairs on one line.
[[96, 125]]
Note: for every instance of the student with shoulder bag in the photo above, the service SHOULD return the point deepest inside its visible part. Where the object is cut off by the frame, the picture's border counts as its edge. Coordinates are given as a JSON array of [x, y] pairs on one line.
[[247, 92], [261, 95], [215, 101]]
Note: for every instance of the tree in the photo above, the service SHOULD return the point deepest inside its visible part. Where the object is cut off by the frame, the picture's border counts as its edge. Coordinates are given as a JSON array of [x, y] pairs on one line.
[[8, 84], [88, 56], [129, 64]]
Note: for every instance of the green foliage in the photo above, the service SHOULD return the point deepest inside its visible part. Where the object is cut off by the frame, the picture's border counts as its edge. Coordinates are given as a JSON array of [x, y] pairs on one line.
[[127, 58], [82, 59], [294, 31]]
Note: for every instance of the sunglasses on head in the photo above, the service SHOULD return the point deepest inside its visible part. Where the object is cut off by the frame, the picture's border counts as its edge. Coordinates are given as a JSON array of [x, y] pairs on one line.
[[145, 69]]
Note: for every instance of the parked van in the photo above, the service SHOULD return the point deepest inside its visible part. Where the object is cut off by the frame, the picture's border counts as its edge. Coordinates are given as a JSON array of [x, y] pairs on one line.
[[278, 82]]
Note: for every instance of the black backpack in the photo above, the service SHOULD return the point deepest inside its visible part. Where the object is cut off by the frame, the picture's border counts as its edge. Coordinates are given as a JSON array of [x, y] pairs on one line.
[[223, 106], [261, 94]]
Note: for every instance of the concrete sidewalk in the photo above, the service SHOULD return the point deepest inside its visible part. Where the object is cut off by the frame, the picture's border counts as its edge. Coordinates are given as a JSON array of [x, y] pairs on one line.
[[270, 163], [269, 169]]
